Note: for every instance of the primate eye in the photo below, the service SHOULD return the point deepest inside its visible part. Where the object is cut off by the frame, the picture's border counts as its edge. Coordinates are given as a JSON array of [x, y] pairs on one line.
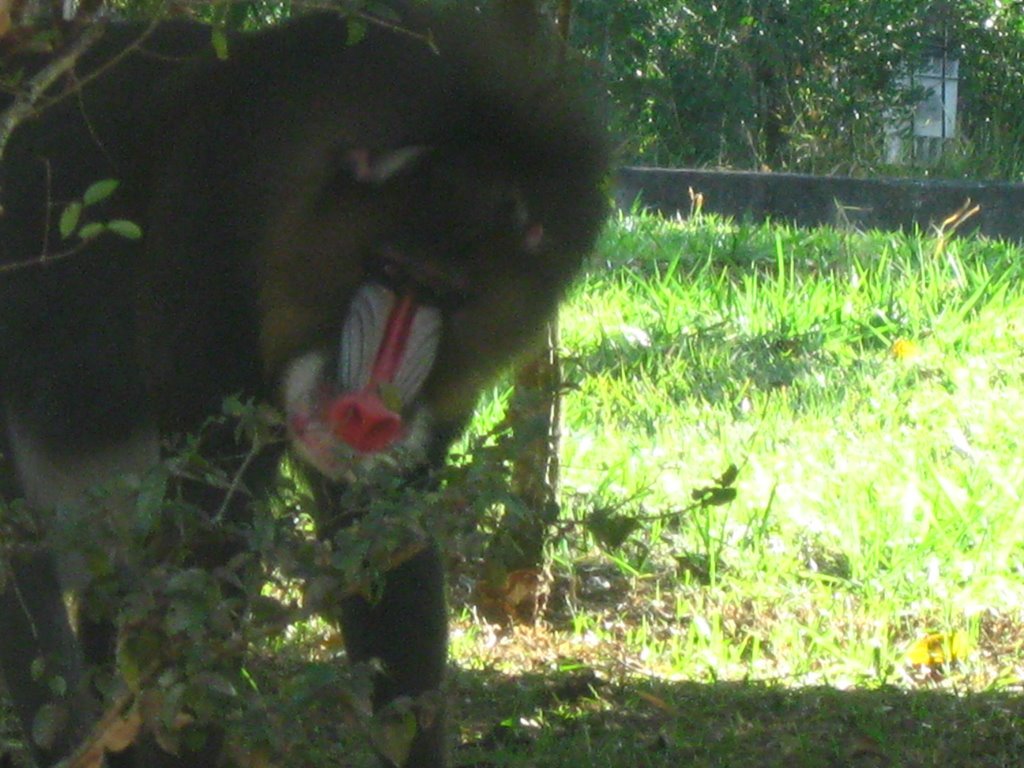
[[392, 270], [390, 267]]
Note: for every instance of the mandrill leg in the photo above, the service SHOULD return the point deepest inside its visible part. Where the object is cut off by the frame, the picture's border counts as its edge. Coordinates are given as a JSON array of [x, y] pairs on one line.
[[34, 625], [406, 630]]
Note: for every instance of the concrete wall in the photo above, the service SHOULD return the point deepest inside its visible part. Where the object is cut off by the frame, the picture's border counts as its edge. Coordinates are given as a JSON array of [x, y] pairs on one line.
[[840, 201]]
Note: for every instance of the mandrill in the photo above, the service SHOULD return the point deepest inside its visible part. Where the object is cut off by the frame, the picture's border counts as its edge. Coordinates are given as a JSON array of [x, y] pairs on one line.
[[362, 233]]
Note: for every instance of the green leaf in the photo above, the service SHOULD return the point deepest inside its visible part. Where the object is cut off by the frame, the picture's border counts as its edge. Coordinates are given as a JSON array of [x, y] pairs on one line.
[[149, 502], [356, 31], [216, 683], [58, 685], [220, 43], [717, 497], [610, 529], [91, 230], [49, 721], [189, 580], [129, 230], [99, 190], [69, 219], [139, 651], [185, 617], [729, 476], [173, 704]]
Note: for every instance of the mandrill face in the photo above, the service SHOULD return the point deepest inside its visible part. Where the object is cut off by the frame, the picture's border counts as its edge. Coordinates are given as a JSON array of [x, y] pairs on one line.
[[454, 275], [387, 349]]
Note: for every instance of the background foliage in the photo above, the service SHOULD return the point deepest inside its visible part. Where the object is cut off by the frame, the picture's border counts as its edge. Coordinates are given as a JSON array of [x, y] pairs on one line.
[[796, 85], [802, 84]]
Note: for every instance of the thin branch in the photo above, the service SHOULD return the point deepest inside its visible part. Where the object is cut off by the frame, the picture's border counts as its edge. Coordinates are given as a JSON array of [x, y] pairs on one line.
[[113, 61], [27, 100], [45, 259], [237, 480]]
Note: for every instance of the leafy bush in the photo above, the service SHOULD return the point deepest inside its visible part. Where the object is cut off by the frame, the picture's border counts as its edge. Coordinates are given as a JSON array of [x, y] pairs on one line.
[[801, 84]]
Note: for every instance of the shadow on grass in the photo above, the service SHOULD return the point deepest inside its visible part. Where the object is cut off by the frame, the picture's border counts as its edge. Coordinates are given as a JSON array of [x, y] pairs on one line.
[[573, 720]]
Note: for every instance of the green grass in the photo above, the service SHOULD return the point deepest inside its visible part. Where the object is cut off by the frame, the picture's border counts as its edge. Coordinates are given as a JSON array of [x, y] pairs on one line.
[[870, 388]]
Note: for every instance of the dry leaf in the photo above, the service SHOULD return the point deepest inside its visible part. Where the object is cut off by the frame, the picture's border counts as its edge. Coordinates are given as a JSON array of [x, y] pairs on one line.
[[121, 733], [939, 649], [656, 701], [520, 599]]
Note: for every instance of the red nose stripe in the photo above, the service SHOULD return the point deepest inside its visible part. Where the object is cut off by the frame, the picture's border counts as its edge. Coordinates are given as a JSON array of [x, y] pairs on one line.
[[361, 419], [392, 346]]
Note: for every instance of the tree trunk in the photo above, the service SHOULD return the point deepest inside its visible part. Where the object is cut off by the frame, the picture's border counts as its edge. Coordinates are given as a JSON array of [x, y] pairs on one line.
[[515, 557]]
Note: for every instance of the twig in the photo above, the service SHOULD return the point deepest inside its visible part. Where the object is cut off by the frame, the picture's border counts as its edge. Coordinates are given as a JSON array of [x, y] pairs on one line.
[[236, 481], [28, 98]]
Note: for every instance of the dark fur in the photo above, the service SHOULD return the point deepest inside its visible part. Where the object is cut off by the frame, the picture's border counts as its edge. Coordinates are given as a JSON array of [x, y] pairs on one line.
[[255, 237]]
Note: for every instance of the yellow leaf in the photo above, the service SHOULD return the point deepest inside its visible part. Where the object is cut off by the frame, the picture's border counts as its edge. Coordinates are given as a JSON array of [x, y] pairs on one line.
[[904, 349], [938, 649], [390, 395]]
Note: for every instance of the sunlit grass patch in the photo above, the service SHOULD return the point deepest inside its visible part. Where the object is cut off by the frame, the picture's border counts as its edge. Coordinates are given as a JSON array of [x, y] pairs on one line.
[[869, 386]]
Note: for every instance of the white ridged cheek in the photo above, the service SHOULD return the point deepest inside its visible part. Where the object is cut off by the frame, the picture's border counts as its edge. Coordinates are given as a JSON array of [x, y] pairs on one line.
[[420, 352], [362, 334], [301, 381]]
